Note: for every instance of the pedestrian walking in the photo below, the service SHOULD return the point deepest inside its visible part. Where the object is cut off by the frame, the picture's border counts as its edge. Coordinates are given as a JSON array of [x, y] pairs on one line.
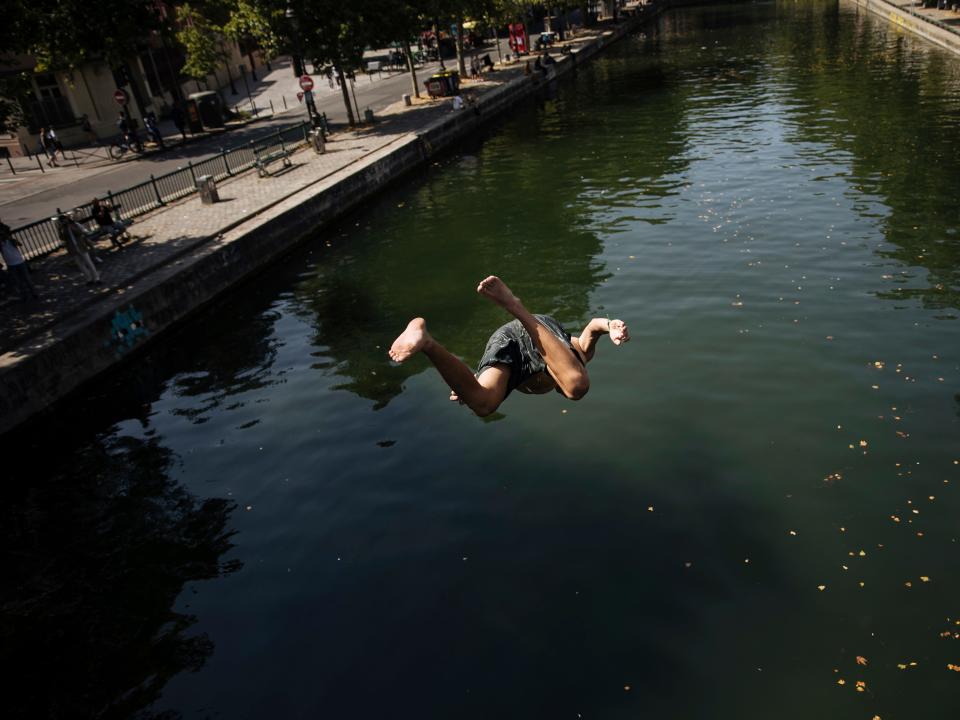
[[16, 264], [55, 141], [78, 246], [47, 148]]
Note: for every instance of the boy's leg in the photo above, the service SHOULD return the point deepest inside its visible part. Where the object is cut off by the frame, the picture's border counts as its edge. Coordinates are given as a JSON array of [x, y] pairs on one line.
[[483, 397], [566, 370]]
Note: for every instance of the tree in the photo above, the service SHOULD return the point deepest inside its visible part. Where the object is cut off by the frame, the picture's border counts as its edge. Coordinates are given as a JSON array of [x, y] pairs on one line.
[[200, 38], [250, 22], [398, 22], [63, 34], [13, 93]]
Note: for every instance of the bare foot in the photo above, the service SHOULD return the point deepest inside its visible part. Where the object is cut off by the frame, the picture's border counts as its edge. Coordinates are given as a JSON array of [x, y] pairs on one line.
[[495, 289], [411, 341]]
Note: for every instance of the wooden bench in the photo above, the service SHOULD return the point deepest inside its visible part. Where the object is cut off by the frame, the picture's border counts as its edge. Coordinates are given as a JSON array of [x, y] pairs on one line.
[[263, 160]]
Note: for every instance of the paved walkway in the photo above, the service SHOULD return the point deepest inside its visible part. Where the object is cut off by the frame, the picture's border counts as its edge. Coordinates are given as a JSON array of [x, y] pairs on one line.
[[950, 17]]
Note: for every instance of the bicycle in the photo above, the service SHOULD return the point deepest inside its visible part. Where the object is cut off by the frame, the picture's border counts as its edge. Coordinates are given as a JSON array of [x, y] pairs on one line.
[[128, 144]]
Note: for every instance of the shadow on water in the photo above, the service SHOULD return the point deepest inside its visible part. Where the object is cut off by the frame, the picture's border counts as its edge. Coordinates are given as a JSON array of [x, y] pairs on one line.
[[96, 553]]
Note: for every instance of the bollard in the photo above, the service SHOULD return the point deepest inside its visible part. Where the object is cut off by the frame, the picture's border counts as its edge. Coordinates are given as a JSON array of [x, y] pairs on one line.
[[406, 100], [284, 97], [272, 111], [207, 187], [39, 164]]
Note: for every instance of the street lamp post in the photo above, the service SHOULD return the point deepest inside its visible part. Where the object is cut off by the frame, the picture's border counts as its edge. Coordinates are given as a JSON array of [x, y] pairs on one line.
[[298, 65]]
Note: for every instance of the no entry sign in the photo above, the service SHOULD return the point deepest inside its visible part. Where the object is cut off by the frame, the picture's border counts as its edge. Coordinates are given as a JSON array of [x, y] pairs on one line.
[[306, 83], [120, 96]]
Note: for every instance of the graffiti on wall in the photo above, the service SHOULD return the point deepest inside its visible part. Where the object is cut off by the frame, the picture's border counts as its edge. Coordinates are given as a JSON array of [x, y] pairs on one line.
[[126, 329]]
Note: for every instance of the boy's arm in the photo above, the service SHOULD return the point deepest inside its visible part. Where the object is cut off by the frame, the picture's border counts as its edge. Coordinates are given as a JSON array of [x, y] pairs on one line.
[[597, 328]]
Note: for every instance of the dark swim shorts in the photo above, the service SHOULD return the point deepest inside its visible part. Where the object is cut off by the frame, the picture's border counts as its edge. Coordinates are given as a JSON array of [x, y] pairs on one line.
[[511, 345]]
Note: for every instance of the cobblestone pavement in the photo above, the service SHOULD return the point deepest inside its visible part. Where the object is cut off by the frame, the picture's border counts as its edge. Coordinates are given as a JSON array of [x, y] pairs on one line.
[[167, 233]]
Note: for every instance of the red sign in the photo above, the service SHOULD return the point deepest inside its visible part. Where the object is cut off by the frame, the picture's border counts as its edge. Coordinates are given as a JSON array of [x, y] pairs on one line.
[[306, 83], [120, 96], [518, 38]]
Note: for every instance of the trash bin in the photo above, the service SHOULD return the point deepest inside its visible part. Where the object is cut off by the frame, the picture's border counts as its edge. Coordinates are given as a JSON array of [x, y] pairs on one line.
[[208, 189], [317, 142], [444, 84], [368, 116], [210, 108]]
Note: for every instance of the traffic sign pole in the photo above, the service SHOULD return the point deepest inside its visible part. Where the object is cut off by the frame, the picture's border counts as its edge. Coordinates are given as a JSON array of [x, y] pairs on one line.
[[306, 84]]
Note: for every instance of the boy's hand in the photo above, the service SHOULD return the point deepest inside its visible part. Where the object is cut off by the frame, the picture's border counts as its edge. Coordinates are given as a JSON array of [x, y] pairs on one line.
[[618, 332]]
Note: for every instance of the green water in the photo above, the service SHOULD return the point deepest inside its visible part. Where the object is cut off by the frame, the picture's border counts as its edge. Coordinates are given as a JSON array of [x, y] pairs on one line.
[[263, 517]]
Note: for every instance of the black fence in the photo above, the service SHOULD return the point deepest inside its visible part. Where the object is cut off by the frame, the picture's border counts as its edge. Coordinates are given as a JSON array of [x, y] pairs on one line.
[[41, 238]]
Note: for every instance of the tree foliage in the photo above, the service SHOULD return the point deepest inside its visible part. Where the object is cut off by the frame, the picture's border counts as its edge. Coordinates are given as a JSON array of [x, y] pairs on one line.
[[62, 34], [201, 40], [249, 21]]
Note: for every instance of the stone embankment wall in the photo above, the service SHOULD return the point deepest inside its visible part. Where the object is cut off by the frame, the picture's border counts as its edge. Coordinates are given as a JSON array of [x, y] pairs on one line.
[[913, 23], [40, 375]]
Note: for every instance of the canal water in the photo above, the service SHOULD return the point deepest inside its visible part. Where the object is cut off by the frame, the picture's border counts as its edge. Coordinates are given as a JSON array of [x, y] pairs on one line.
[[752, 514]]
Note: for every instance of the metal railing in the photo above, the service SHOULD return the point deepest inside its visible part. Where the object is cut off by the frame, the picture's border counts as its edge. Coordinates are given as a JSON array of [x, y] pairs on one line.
[[41, 237]]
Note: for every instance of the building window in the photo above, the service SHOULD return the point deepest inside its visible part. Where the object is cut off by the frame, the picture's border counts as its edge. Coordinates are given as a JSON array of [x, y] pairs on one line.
[[47, 86]]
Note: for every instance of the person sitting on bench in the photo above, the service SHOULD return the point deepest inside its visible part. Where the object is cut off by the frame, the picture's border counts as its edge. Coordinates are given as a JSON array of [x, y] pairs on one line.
[[101, 213]]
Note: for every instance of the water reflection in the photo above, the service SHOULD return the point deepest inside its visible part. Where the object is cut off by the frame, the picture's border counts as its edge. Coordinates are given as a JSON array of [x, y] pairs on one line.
[[95, 555], [889, 103], [356, 308]]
